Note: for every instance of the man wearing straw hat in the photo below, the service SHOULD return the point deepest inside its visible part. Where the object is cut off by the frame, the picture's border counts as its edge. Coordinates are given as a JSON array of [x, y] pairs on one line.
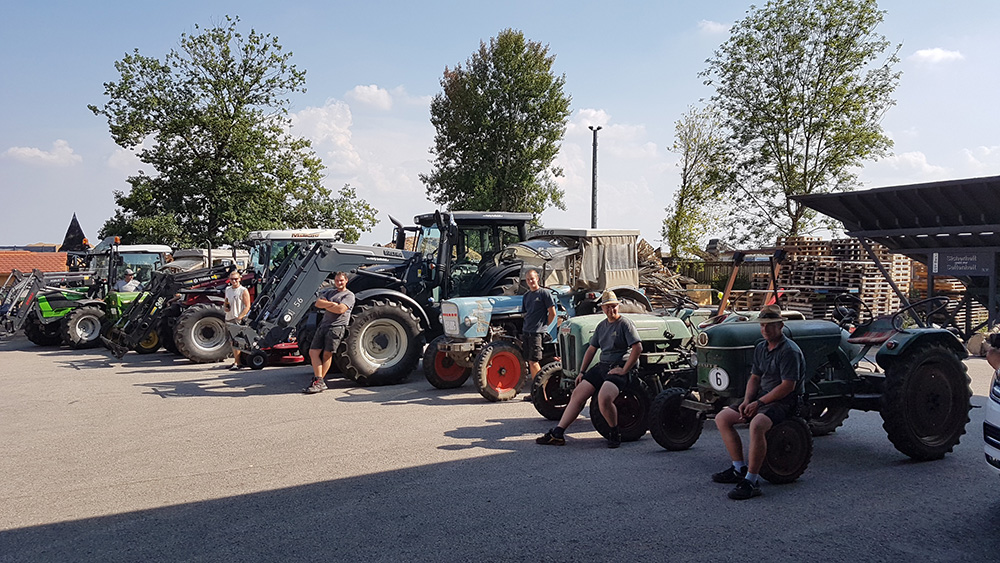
[[773, 390], [614, 336]]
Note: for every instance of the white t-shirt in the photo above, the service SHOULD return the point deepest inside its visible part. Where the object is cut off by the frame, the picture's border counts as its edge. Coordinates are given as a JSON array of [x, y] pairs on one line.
[[122, 285], [234, 296]]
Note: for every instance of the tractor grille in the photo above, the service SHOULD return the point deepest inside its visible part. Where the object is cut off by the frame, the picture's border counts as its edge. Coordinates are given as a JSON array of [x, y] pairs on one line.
[[567, 345]]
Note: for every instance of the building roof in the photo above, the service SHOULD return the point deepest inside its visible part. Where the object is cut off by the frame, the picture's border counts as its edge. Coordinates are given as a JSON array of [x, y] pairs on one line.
[[26, 261]]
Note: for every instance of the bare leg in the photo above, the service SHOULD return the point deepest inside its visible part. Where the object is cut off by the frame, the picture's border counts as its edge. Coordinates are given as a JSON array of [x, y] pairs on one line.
[[606, 402], [724, 421], [758, 442], [317, 362], [533, 368], [576, 401], [327, 363]]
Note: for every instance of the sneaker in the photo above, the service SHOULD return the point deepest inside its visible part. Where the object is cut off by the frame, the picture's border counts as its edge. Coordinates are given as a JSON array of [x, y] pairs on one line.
[[318, 386], [235, 367], [615, 438], [549, 439], [730, 475], [744, 490]]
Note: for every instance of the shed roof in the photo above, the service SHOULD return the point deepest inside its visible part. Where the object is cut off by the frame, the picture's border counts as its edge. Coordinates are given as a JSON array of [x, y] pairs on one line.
[[26, 261], [917, 219]]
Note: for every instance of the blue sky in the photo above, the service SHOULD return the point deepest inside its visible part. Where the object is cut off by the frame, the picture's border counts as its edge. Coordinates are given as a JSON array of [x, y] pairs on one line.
[[372, 68]]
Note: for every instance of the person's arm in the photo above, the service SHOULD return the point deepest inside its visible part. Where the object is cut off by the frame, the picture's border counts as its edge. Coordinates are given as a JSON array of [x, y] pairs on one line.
[[246, 304], [633, 358], [753, 384], [588, 357], [552, 315]]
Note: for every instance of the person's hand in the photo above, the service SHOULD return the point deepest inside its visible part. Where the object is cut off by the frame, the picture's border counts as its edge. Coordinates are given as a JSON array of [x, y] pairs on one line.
[[616, 371], [743, 408], [578, 379], [750, 410]]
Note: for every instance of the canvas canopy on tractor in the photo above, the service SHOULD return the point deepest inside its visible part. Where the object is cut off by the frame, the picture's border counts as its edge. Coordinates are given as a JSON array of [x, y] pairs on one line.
[[584, 259]]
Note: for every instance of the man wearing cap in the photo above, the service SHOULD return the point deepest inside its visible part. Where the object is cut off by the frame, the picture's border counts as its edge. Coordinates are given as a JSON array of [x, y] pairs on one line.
[[773, 390], [614, 337], [129, 283]]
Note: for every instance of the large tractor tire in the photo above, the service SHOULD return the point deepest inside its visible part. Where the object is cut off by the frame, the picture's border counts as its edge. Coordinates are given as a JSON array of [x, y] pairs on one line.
[[150, 344], [304, 333], [789, 449], [825, 418], [673, 427], [81, 328], [167, 327], [548, 396], [925, 406], [441, 370], [200, 334], [382, 345], [41, 334], [500, 371], [633, 413]]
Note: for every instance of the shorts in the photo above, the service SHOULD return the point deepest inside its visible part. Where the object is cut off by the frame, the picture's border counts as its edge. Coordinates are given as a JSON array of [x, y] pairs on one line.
[[328, 337], [598, 374], [532, 344], [777, 411]]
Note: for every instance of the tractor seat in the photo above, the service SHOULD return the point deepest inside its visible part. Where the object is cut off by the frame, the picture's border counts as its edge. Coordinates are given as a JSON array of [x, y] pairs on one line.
[[875, 332]]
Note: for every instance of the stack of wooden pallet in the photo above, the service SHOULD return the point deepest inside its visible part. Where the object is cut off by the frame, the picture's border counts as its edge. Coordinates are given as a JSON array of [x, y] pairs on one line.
[[951, 288], [816, 270]]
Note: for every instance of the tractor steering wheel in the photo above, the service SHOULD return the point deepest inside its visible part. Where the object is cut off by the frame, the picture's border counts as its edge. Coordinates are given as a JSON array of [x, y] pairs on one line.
[[924, 310], [849, 309]]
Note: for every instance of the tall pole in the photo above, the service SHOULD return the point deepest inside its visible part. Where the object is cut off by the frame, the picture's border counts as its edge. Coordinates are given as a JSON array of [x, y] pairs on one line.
[[593, 196]]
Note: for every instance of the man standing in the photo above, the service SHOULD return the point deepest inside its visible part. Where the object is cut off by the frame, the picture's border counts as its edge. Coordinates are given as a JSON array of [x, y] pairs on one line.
[[539, 311], [614, 336], [237, 306], [129, 283], [773, 390], [336, 303]]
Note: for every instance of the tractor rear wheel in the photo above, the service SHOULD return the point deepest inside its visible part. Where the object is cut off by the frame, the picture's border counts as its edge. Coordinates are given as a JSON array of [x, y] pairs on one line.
[[633, 412], [441, 370], [926, 405], [500, 371], [674, 427], [81, 328], [548, 396], [382, 345], [789, 449], [200, 334]]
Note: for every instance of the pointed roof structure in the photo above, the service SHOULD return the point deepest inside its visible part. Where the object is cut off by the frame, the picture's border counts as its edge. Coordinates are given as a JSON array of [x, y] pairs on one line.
[[74, 239]]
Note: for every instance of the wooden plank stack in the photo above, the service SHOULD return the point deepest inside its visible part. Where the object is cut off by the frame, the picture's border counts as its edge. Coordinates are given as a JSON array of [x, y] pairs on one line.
[[817, 270]]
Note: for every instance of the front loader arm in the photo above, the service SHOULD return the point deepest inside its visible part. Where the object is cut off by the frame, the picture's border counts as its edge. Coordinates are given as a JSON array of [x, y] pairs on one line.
[[291, 292], [144, 315]]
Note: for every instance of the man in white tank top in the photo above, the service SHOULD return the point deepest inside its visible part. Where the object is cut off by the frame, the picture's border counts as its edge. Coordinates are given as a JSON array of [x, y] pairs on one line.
[[237, 307]]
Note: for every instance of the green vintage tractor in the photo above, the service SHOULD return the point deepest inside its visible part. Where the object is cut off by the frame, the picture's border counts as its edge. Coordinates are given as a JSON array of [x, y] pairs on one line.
[[665, 362], [912, 374]]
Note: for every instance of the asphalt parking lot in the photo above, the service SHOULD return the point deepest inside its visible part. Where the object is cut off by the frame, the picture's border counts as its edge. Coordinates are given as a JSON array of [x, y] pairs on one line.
[[157, 459]]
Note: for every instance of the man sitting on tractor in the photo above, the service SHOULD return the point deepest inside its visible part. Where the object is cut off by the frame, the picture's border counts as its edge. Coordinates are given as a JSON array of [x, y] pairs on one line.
[[614, 336], [773, 390]]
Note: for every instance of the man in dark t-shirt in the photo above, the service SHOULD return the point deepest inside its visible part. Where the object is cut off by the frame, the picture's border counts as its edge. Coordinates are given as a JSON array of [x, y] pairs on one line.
[[336, 303], [539, 311], [773, 389], [614, 337]]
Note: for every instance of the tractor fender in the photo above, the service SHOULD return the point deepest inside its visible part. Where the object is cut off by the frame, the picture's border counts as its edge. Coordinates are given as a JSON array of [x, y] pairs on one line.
[[622, 292], [369, 294], [95, 302], [906, 342]]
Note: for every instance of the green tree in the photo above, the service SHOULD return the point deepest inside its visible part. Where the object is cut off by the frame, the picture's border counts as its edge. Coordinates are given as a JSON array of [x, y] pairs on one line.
[[804, 85], [696, 210], [212, 121], [499, 121]]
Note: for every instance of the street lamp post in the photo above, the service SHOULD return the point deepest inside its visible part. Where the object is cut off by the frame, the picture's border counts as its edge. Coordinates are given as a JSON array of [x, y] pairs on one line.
[[593, 196]]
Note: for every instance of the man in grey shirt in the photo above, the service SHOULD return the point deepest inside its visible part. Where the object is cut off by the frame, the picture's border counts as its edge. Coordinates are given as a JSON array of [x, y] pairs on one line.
[[336, 303], [614, 336]]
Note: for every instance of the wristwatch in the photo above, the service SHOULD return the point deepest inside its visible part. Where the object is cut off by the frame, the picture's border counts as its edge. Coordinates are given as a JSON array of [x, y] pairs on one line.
[[761, 404]]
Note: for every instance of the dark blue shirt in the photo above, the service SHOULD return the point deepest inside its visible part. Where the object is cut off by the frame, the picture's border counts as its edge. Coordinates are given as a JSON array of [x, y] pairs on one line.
[[345, 297], [536, 309]]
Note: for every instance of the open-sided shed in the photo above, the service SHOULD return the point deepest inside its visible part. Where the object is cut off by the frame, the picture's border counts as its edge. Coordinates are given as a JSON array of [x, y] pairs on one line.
[[953, 227]]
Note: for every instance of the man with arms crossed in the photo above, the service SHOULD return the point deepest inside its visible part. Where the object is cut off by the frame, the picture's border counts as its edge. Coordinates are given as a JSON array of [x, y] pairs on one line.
[[772, 391], [336, 303]]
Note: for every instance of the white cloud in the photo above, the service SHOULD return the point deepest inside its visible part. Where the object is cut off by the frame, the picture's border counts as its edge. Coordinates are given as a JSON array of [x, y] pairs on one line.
[[982, 160], [60, 155], [329, 129], [915, 161], [712, 28], [371, 95], [935, 56]]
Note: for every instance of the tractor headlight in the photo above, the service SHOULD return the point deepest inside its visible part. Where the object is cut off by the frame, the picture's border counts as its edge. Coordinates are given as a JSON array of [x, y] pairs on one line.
[[702, 339], [470, 320]]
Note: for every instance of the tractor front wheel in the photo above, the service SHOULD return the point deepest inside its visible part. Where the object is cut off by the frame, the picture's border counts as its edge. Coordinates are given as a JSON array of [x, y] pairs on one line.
[[441, 370], [499, 370]]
